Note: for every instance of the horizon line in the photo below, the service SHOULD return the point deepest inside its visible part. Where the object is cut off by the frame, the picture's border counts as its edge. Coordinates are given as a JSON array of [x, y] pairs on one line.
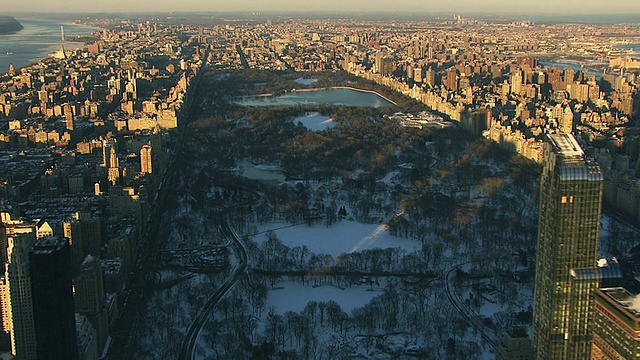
[[315, 12]]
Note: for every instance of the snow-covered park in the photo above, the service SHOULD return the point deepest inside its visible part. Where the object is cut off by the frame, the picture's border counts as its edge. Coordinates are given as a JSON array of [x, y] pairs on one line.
[[315, 121], [346, 236]]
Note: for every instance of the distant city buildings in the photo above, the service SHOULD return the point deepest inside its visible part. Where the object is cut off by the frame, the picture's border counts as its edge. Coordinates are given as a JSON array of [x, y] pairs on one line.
[[82, 155]]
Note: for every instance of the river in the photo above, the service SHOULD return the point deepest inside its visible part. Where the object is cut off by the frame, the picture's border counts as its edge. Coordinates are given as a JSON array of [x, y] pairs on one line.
[[36, 41], [635, 48], [574, 65]]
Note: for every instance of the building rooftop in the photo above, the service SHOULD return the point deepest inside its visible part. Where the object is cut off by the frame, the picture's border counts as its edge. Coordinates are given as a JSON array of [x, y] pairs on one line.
[[111, 266], [572, 161], [48, 245], [610, 270], [566, 145], [621, 296]]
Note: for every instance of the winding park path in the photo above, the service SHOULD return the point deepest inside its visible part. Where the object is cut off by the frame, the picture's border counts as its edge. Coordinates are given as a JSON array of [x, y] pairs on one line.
[[189, 345], [187, 351], [472, 319]]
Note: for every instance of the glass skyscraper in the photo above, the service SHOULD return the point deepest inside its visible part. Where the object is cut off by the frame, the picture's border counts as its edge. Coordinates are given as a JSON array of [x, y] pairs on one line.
[[52, 296], [571, 189]]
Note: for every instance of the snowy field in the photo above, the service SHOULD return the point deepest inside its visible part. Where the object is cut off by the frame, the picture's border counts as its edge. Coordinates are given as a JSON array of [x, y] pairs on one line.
[[343, 237], [314, 121], [261, 172], [305, 81]]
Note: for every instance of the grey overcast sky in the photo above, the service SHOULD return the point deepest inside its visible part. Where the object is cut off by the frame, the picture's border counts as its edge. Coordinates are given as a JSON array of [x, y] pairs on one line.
[[417, 6]]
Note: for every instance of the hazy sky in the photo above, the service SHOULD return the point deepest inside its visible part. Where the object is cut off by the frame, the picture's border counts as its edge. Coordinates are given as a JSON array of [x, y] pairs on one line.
[[501, 6]]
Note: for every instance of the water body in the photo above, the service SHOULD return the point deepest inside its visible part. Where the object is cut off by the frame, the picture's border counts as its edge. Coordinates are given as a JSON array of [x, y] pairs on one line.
[[575, 66], [36, 41], [346, 97], [633, 47], [266, 173]]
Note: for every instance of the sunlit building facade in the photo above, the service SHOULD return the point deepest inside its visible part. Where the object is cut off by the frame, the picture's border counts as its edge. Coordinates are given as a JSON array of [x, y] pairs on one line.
[[15, 289], [145, 160], [616, 331], [571, 189]]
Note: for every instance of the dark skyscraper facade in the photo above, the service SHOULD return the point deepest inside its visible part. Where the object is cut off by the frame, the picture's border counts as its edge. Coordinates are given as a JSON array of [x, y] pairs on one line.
[[52, 294], [571, 189], [89, 298]]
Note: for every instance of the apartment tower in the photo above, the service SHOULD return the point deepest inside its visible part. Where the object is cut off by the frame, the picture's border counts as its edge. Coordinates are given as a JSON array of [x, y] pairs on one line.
[[145, 159], [90, 300], [571, 189], [16, 296]]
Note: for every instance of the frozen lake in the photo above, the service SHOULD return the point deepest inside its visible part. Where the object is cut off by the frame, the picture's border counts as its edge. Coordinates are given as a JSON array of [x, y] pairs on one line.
[[333, 96], [314, 121], [343, 237], [261, 172]]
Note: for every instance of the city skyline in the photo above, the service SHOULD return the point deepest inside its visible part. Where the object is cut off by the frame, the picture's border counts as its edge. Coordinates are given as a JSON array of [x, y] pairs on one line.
[[547, 7], [305, 182]]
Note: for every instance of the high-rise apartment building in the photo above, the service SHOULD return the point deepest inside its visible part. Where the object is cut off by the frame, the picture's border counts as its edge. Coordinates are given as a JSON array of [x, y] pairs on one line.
[[571, 189], [16, 296], [110, 160], [451, 79], [377, 63], [516, 81], [430, 77], [145, 160], [156, 139], [69, 117], [90, 300], [84, 232], [417, 74], [87, 343], [565, 121], [568, 76], [52, 295]]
